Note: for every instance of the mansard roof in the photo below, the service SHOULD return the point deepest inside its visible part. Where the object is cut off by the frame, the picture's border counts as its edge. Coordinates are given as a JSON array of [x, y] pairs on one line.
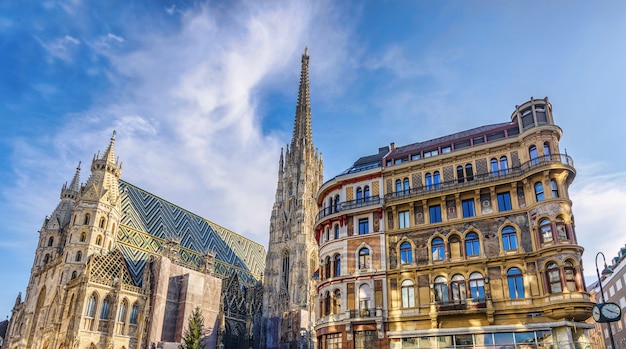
[[149, 223]]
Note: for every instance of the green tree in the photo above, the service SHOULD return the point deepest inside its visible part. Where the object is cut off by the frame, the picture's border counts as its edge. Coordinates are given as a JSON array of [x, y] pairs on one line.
[[192, 338]]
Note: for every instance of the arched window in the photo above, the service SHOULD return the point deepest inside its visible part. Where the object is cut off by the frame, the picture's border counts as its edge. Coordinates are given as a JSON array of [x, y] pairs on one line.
[[327, 234], [437, 179], [326, 303], [364, 299], [494, 167], [50, 241], [459, 174], [532, 152], [79, 256], [113, 229], [327, 267], [46, 259], [429, 181], [408, 294], [366, 193], [336, 203], [406, 186], [546, 151], [121, 316], [570, 276], [106, 305], [91, 306], [102, 222], [469, 172], [134, 314], [545, 228], [515, 280], [459, 292], [359, 194], [337, 302], [509, 239], [406, 253], [554, 188], [561, 231], [504, 165], [337, 265], [83, 237], [330, 205], [472, 244], [364, 258], [554, 278], [438, 249], [87, 217], [398, 187], [441, 290], [336, 231], [477, 286], [74, 275], [99, 240], [539, 191]]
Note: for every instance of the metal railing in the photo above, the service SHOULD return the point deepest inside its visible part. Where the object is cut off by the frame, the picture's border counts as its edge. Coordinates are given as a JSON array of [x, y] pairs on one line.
[[348, 205], [481, 178], [462, 304]]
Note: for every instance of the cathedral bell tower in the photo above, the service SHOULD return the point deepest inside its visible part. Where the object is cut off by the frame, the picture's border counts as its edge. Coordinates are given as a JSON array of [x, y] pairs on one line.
[[288, 295]]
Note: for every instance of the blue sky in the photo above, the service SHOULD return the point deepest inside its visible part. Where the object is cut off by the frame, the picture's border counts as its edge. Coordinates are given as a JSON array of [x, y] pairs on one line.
[[202, 95]]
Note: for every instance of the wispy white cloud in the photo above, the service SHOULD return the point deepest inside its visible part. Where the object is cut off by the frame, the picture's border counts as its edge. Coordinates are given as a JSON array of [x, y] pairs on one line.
[[62, 48]]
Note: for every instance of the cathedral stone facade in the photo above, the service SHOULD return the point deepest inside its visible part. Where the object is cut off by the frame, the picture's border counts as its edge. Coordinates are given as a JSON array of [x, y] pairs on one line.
[[118, 267], [289, 298]]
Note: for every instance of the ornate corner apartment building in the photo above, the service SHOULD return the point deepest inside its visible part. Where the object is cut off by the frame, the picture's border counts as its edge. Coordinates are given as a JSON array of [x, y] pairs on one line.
[[463, 241]]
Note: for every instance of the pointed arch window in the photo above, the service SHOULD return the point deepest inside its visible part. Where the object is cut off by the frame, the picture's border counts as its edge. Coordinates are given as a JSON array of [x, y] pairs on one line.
[[87, 217], [515, 280], [46, 259], [106, 306], [102, 222], [364, 258], [337, 265], [408, 294], [472, 244], [91, 306], [50, 241], [99, 240], [74, 275], [406, 253], [285, 270], [82, 237], [79, 256], [477, 286], [134, 314]]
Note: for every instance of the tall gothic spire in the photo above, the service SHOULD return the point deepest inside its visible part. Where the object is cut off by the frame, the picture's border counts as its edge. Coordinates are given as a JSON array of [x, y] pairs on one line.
[[72, 190], [302, 124]]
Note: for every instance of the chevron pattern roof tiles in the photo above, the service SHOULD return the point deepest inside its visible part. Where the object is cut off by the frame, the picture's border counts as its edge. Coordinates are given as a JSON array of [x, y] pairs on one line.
[[148, 222]]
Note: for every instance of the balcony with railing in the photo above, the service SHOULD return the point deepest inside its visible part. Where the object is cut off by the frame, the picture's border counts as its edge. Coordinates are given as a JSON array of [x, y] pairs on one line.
[[461, 305], [348, 205], [483, 178]]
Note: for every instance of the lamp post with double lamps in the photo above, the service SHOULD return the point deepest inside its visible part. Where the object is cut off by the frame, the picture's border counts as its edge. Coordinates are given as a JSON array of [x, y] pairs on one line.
[[605, 272]]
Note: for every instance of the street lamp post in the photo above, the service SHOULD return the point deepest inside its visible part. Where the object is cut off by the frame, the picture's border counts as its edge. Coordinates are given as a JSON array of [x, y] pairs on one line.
[[606, 271]]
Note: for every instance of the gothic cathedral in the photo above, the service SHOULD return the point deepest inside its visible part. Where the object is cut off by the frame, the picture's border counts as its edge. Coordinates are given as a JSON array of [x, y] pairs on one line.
[[289, 296]]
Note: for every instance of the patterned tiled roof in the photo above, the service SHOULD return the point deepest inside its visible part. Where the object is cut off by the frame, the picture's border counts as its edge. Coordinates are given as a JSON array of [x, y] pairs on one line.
[[149, 222]]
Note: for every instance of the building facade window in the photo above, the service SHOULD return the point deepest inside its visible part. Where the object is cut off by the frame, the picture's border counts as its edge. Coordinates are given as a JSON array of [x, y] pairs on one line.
[[408, 294], [364, 258], [286, 270], [121, 317], [437, 180], [398, 187], [435, 213], [337, 202], [82, 237], [570, 276], [86, 221], [504, 201], [405, 186], [359, 194], [406, 253], [509, 239], [459, 174], [515, 280], [546, 151], [441, 290], [438, 249], [134, 314], [545, 229], [364, 226], [91, 306], [561, 230], [468, 208], [554, 188], [333, 341], [504, 165], [79, 256], [336, 302], [403, 219], [104, 312], [337, 261], [554, 278], [327, 267], [472, 244], [494, 167], [50, 241], [469, 172], [366, 193], [336, 230], [429, 181], [477, 286], [534, 157], [539, 192], [459, 292]]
